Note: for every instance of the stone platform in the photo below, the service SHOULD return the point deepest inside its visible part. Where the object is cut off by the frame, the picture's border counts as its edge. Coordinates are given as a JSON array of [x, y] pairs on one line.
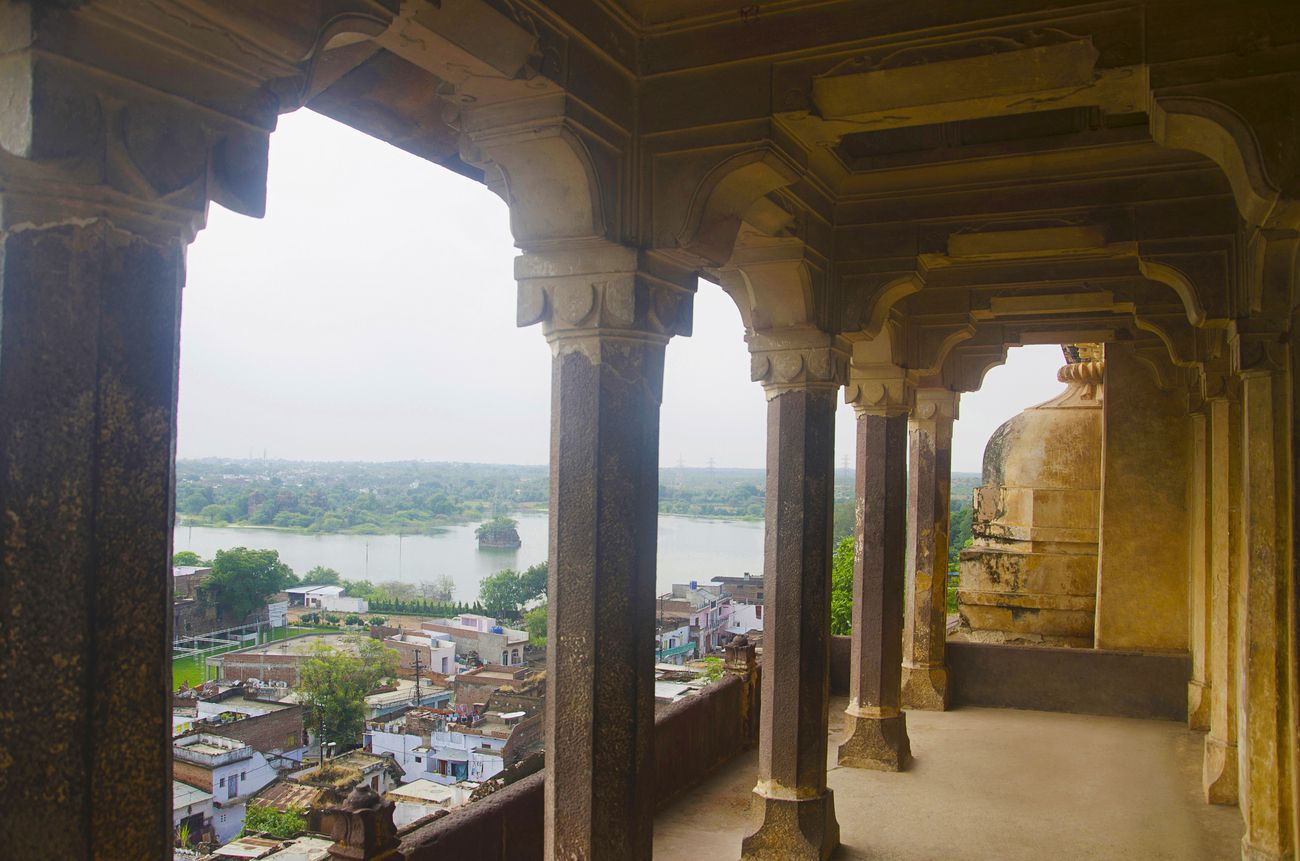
[[994, 784]]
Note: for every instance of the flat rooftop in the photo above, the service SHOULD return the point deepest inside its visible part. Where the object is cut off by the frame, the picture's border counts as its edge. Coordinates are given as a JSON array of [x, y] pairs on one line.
[[300, 645], [994, 784]]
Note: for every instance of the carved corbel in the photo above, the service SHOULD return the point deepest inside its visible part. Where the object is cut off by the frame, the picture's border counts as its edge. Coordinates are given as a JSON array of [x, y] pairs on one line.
[[938, 408], [1257, 348]]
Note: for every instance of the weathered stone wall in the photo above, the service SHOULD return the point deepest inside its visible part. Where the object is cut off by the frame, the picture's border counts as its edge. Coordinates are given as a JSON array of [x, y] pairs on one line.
[[1143, 575], [277, 730]]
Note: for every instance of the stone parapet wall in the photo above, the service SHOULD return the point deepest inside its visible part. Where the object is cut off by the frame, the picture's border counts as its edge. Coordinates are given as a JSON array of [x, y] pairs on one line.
[[693, 737]]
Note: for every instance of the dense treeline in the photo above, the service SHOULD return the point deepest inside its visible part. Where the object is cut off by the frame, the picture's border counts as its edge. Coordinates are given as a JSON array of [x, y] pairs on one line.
[[367, 498]]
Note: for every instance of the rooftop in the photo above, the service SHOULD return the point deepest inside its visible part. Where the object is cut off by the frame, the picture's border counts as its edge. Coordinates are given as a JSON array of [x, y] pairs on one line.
[[300, 645], [184, 795], [421, 790], [308, 847], [994, 784], [210, 751]]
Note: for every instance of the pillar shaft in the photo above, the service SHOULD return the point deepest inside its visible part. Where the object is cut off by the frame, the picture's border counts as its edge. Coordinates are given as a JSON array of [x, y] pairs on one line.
[[1198, 564], [1262, 732], [794, 811], [89, 325], [925, 677], [1224, 534], [879, 731], [608, 325]]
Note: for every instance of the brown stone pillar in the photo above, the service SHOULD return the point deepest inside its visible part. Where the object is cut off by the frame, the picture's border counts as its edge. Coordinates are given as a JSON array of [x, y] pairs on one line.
[[1198, 565], [878, 734], [608, 326], [794, 811], [925, 623], [1265, 789]]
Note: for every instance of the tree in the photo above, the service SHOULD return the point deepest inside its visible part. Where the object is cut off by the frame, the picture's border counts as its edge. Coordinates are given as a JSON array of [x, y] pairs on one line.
[[264, 818], [842, 587], [441, 589], [501, 593], [499, 523], [187, 557], [397, 590], [532, 582], [360, 589], [712, 669], [321, 576], [242, 579], [535, 625], [334, 684]]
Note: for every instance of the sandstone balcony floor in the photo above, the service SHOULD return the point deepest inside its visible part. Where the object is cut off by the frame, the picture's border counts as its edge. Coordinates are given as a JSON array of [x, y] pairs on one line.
[[994, 784]]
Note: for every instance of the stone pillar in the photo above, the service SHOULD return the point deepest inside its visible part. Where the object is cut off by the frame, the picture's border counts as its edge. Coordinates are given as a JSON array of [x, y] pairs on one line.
[[1222, 537], [1199, 529], [801, 370], [1262, 649], [103, 183], [878, 737], [608, 323], [925, 622]]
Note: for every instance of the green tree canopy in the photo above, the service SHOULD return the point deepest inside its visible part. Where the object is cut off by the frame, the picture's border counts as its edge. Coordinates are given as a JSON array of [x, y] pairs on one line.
[[532, 582], [842, 587], [502, 593], [500, 523], [187, 557], [535, 625], [321, 576], [242, 579], [334, 684]]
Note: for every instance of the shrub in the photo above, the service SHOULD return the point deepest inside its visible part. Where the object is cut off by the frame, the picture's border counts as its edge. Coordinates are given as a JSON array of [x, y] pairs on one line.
[[353, 619], [377, 620]]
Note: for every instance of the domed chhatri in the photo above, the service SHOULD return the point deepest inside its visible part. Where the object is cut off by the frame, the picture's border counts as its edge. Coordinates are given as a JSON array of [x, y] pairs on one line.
[[1030, 574]]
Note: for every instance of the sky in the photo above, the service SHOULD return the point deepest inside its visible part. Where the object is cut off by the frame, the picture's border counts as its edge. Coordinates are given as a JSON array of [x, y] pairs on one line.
[[371, 316]]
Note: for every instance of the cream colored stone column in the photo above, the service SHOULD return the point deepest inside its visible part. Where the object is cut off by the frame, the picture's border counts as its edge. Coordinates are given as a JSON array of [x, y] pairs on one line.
[[1222, 537], [801, 369], [1263, 729], [925, 622], [1198, 511], [608, 323], [878, 727]]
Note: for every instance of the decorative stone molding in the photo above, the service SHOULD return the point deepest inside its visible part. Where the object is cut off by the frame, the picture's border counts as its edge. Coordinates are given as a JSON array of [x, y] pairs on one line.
[[801, 357], [578, 291], [936, 405], [881, 392], [362, 828], [1086, 375], [1256, 350]]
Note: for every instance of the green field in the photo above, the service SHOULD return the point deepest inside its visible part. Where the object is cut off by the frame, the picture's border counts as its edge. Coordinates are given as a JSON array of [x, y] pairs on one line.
[[190, 670]]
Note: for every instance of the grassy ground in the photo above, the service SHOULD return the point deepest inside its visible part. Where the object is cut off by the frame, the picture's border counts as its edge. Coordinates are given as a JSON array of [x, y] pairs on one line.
[[191, 669]]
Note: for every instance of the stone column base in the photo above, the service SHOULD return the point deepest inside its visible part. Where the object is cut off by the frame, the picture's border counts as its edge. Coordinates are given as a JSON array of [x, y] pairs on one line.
[[925, 688], [1219, 779], [1262, 853], [1198, 706], [878, 743], [792, 830]]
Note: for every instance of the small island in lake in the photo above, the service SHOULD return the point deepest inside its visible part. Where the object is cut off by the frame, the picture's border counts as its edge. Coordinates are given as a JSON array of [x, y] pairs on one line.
[[499, 533]]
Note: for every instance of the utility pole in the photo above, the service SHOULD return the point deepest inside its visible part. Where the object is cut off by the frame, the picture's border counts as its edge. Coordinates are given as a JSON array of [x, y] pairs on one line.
[[320, 737], [417, 676]]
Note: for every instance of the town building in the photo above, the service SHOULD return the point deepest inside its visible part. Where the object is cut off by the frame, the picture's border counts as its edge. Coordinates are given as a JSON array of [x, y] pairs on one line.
[[747, 588], [192, 810], [673, 643], [424, 797], [744, 618], [307, 847], [476, 686], [232, 771], [398, 694], [448, 748], [279, 661], [894, 196], [482, 636], [436, 651], [345, 772], [186, 580], [327, 598]]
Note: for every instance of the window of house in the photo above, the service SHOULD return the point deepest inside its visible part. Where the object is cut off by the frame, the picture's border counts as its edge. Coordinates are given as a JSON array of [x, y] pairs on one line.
[[243, 775], [221, 782], [418, 759]]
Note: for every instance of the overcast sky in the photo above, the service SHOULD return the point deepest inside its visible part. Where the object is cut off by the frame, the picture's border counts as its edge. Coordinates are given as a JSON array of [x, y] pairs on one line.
[[370, 316]]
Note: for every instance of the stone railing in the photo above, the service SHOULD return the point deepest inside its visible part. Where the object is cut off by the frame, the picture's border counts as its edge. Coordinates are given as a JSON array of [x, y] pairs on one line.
[[693, 738]]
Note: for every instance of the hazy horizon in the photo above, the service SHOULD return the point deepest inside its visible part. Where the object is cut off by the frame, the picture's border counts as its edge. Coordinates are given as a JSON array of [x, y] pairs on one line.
[[370, 317]]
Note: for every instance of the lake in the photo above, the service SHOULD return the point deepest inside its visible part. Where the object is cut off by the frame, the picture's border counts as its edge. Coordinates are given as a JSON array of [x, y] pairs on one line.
[[689, 549]]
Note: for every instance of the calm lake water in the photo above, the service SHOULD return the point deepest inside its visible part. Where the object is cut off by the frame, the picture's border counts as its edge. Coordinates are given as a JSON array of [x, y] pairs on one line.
[[689, 549]]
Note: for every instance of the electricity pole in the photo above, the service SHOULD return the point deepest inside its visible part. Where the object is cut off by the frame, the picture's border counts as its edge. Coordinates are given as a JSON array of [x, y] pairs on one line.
[[417, 676]]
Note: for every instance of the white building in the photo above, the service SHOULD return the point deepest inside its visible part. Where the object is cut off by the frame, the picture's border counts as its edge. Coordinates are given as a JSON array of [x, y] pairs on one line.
[[328, 598], [745, 618], [191, 806], [437, 651], [420, 798], [483, 635], [231, 770]]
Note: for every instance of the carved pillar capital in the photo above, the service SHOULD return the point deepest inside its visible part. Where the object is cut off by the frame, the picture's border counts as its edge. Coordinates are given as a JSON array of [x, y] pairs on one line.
[[878, 391], [583, 292], [936, 407], [797, 358], [1257, 348]]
